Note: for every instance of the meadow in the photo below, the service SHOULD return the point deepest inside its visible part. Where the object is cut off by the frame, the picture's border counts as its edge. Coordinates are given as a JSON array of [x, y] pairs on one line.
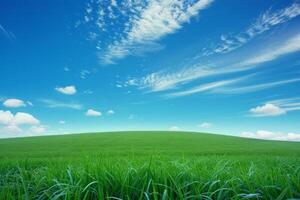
[[148, 165]]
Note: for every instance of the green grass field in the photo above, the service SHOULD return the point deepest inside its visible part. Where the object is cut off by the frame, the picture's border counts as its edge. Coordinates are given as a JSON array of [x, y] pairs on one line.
[[148, 165]]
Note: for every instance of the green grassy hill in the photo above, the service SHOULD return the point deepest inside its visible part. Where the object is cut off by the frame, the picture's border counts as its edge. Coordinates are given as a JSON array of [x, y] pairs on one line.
[[141, 143], [148, 165]]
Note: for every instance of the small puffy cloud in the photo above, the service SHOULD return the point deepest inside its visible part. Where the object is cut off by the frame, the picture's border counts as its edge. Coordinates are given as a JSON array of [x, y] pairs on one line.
[[110, 112], [174, 128], [205, 125], [267, 110], [93, 113], [268, 135], [68, 90], [14, 103], [62, 122]]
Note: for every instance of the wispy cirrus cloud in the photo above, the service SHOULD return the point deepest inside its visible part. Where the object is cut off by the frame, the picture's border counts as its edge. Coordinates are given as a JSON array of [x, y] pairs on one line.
[[289, 104], [161, 81], [206, 87], [290, 46], [255, 87], [166, 80], [58, 104], [8, 34], [140, 24], [263, 23]]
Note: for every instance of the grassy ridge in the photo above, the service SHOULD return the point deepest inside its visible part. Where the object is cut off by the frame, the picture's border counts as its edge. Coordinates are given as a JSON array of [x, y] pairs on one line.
[[141, 143], [148, 165]]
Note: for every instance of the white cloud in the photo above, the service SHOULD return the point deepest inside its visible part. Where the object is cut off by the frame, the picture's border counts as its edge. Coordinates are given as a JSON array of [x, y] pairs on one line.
[[267, 110], [66, 69], [88, 91], [205, 87], [289, 104], [93, 113], [205, 125], [263, 23], [141, 24], [68, 90], [114, 3], [37, 129], [268, 135], [8, 34], [110, 112], [14, 103], [57, 104], [276, 107], [62, 122], [11, 129], [254, 88], [29, 103], [290, 46], [10, 124], [25, 118], [84, 74], [132, 116], [161, 81], [174, 128], [20, 118], [6, 117]]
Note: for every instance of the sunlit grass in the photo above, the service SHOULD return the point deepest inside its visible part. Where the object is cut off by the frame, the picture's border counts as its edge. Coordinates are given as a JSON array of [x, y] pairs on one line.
[[148, 166]]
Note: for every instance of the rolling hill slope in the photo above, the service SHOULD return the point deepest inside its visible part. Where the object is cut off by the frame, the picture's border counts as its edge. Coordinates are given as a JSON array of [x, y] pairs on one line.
[[141, 143], [148, 165]]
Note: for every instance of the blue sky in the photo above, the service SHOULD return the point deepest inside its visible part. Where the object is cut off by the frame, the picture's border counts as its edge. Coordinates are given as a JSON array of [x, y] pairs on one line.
[[228, 67]]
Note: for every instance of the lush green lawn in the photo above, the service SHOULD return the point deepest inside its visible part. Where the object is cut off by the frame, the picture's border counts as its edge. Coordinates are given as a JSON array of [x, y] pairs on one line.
[[148, 165]]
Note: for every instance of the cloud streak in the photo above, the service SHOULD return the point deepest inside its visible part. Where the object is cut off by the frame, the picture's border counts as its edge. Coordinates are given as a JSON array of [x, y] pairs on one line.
[[206, 87], [144, 24], [254, 88], [263, 23], [8, 34], [57, 104], [161, 81], [290, 104]]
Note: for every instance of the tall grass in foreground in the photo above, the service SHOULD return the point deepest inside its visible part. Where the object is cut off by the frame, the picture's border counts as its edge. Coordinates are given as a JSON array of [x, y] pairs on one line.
[[202, 177]]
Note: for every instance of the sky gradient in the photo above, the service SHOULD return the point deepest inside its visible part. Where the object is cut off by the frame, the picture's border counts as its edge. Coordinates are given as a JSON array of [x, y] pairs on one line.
[[227, 67]]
